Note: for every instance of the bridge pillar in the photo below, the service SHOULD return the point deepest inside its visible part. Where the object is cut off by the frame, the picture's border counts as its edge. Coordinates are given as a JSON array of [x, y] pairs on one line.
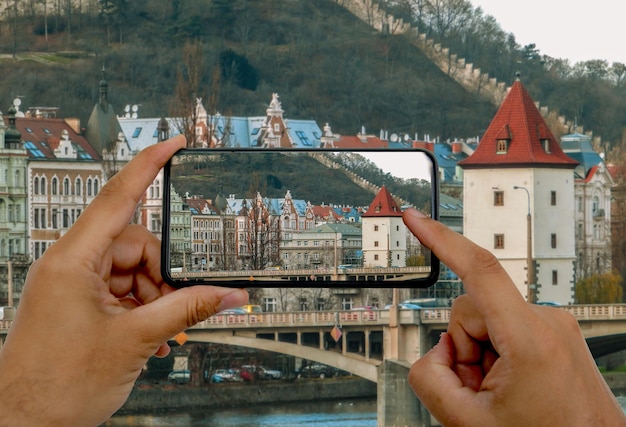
[[397, 404]]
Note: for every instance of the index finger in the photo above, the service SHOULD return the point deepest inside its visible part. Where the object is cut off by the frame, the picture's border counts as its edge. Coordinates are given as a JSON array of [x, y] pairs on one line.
[[110, 212], [485, 280]]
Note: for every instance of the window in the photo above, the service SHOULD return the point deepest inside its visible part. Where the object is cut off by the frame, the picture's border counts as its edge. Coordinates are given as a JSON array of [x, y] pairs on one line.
[[553, 198], [502, 146], [375, 257], [36, 186], [546, 145], [346, 303], [55, 186], [78, 186], [89, 189], [375, 228], [66, 186], [376, 244], [555, 277], [498, 198], [269, 305], [553, 240], [498, 241], [579, 203], [43, 185]]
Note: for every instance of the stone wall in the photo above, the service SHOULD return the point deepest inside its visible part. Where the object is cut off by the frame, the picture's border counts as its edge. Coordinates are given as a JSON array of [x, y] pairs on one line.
[[466, 74], [169, 397]]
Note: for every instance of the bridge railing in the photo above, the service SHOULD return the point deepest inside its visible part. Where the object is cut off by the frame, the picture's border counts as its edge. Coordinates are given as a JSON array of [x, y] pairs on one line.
[[374, 317], [597, 311], [297, 318]]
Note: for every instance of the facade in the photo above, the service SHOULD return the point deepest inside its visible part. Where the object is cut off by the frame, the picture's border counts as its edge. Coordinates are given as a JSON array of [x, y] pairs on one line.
[[14, 257], [519, 171], [326, 246], [593, 184], [384, 233], [64, 176]]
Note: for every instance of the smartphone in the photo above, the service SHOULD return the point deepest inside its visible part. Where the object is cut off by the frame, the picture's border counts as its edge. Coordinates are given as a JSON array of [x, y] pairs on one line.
[[297, 218]]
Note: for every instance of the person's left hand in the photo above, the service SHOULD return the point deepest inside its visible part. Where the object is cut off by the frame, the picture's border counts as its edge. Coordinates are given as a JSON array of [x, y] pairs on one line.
[[95, 308]]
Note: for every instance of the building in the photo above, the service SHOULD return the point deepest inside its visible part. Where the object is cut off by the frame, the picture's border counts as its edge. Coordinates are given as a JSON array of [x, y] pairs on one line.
[[326, 246], [593, 184], [64, 175], [14, 257], [384, 233], [518, 178]]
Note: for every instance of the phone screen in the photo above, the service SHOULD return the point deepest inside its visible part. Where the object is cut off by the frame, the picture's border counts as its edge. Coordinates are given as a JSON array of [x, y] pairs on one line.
[[289, 218]]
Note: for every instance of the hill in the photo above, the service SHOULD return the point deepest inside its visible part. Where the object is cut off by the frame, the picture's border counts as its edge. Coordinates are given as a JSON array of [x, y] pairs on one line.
[[273, 174], [325, 64]]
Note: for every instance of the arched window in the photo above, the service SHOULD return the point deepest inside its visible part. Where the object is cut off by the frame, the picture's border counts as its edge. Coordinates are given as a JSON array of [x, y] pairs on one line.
[[66, 186], [17, 179], [36, 185], [43, 185], [96, 186], [55, 186], [89, 189], [79, 185]]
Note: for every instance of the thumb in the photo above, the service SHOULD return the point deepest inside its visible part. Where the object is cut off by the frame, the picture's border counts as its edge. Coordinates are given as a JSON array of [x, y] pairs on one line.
[[171, 314], [438, 387]]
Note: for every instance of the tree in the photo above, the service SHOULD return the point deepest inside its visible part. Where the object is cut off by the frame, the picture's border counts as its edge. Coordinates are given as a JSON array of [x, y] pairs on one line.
[[600, 289], [188, 81]]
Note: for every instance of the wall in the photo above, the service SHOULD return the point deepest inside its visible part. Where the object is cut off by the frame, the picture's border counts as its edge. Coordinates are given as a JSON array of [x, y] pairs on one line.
[[168, 397]]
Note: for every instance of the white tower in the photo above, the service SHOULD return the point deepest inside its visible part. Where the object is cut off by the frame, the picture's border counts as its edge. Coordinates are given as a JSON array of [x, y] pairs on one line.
[[519, 179]]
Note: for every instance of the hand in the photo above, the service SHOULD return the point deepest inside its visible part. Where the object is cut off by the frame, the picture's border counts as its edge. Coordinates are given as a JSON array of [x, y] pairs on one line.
[[504, 362], [95, 308]]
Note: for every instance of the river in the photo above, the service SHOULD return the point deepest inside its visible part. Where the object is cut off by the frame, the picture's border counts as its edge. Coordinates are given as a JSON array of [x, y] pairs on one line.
[[345, 413]]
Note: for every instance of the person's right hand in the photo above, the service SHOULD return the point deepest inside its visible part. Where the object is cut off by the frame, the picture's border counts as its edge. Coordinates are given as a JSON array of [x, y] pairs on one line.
[[504, 362]]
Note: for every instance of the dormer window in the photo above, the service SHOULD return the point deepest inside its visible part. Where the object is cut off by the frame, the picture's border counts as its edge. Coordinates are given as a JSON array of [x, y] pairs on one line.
[[546, 145], [502, 146]]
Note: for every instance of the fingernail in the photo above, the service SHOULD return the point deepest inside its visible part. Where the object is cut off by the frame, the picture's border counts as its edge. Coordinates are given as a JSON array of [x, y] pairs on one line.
[[415, 213], [237, 298]]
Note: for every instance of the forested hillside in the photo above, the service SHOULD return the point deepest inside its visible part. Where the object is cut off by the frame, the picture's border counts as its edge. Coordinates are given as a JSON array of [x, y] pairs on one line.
[[324, 63]]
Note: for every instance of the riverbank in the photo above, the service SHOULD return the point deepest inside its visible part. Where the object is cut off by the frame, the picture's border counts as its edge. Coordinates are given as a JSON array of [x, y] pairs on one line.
[[151, 398], [154, 398], [616, 381]]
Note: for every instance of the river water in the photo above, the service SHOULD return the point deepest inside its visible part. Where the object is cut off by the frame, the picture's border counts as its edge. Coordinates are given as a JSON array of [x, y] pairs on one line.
[[345, 413]]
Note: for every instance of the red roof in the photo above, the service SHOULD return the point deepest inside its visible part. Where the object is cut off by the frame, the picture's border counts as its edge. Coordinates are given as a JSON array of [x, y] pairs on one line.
[[325, 212], [520, 124], [364, 141], [42, 137], [383, 205]]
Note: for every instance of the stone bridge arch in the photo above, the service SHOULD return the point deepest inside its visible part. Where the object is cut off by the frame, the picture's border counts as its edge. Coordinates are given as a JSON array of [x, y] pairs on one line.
[[354, 363]]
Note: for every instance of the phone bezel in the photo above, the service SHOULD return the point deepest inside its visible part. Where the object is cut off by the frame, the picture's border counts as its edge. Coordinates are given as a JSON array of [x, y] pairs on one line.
[[411, 283]]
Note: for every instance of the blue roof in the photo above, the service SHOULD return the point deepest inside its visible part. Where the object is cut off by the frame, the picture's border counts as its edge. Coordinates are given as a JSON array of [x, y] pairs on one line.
[[141, 133], [274, 205], [578, 147], [238, 132], [447, 161]]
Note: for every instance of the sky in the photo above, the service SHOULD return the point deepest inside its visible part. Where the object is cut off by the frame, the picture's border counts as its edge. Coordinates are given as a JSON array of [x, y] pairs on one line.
[[568, 29]]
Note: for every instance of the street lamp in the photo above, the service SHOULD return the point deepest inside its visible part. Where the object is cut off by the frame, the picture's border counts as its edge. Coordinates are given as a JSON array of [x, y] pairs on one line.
[[529, 249]]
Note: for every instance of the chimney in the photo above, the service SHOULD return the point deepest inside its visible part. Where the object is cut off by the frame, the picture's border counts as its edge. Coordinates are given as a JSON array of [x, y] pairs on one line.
[[457, 147]]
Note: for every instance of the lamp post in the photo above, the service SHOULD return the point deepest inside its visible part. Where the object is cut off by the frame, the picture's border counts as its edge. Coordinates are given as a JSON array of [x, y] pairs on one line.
[[529, 249]]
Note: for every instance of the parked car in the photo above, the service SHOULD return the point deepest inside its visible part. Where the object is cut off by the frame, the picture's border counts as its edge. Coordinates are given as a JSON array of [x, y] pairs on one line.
[[263, 373], [236, 310], [225, 375], [251, 308], [405, 306], [179, 377], [316, 370]]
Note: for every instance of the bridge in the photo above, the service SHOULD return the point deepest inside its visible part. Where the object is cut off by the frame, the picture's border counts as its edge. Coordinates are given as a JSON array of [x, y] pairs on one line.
[[293, 276], [379, 345]]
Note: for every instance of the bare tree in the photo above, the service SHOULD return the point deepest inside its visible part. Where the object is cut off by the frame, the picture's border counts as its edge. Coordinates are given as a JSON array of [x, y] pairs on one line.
[[188, 80]]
